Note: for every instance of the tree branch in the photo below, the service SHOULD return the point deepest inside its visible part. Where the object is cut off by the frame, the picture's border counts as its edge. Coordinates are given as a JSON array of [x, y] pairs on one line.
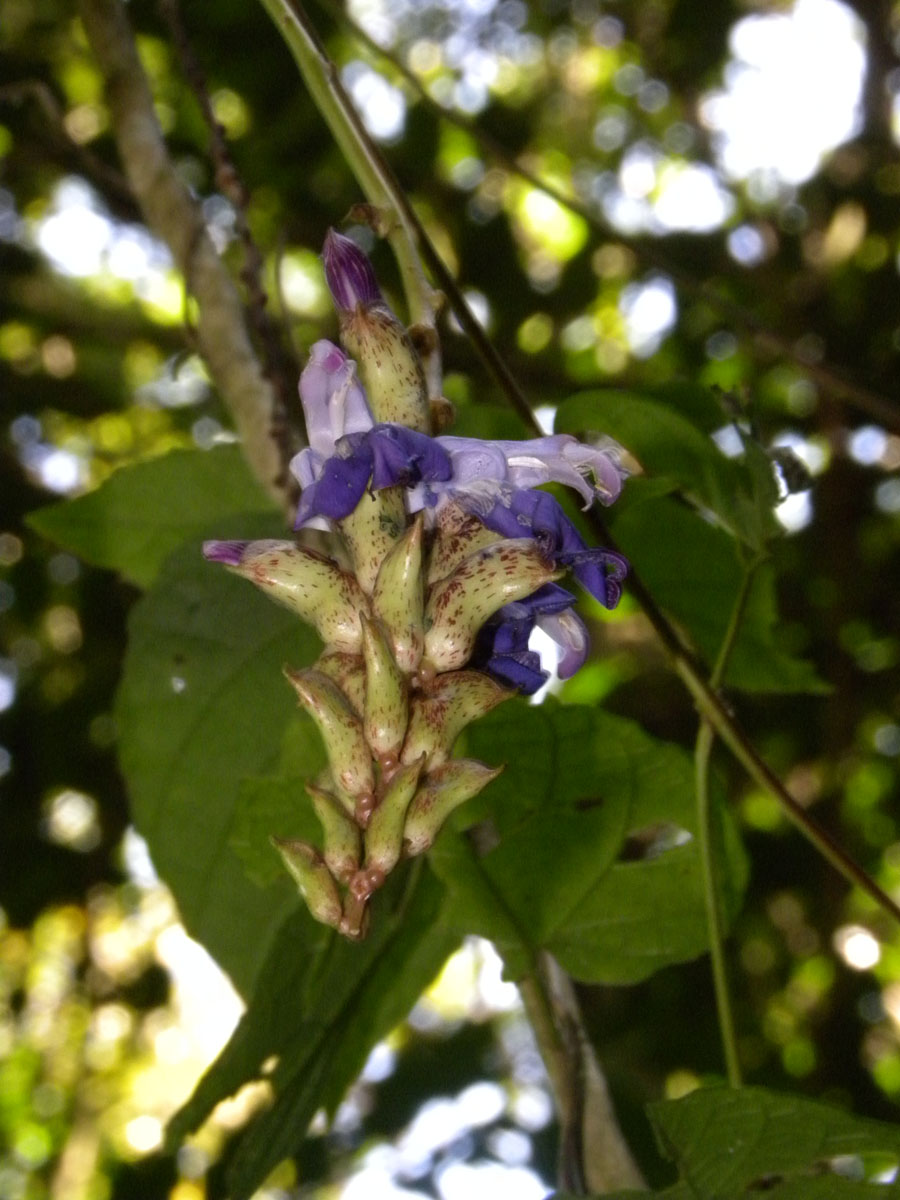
[[594, 1156], [174, 216]]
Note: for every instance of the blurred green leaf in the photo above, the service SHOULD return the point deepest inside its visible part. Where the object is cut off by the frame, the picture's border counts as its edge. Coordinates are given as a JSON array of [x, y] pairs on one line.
[[695, 574], [733, 1143], [278, 804], [488, 421], [669, 446], [321, 1005], [144, 512], [588, 849], [202, 706], [266, 806]]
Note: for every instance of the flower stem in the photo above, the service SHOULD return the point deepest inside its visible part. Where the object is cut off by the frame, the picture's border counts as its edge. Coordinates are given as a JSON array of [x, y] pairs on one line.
[[368, 165], [711, 893]]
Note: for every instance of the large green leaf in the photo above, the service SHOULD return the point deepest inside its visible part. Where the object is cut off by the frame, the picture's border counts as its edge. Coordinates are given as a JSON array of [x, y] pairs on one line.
[[144, 512], [695, 574], [202, 706], [553, 869], [320, 1006], [669, 446], [278, 804], [733, 1143]]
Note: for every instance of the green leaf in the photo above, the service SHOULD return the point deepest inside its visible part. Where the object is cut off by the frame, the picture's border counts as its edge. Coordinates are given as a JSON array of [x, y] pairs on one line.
[[321, 1005], [202, 706], [669, 446], [496, 421], [133, 521], [278, 804], [548, 870], [265, 806], [694, 572], [830, 1187], [730, 1143]]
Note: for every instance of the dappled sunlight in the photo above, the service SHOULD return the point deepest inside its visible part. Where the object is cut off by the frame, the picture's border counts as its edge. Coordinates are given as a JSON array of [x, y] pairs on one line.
[[722, 302], [784, 107]]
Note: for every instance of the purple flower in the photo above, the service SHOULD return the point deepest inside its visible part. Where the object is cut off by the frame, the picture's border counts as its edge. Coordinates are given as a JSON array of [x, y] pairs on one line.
[[530, 513], [334, 405], [502, 647], [484, 477], [496, 481], [476, 473], [385, 456], [560, 458], [349, 274]]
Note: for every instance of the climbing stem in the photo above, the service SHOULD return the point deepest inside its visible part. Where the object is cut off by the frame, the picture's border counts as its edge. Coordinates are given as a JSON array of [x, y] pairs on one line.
[[711, 890], [712, 901]]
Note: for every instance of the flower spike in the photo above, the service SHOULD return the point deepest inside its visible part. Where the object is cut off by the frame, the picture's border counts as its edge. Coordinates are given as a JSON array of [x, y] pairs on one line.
[[454, 555]]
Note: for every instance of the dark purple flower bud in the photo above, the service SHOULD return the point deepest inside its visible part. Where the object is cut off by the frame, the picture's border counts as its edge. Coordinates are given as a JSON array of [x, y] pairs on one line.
[[349, 274], [229, 554]]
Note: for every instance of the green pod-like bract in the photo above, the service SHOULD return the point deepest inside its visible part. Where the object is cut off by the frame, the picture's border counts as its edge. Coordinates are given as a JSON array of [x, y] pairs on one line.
[[389, 367], [397, 597], [341, 729], [386, 706], [457, 535], [310, 584], [385, 831], [459, 605], [348, 671], [444, 790], [341, 843], [314, 880], [437, 718], [377, 522]]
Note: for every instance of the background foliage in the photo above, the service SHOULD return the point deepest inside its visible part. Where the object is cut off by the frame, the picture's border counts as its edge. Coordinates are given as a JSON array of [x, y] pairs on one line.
[[762, 309]]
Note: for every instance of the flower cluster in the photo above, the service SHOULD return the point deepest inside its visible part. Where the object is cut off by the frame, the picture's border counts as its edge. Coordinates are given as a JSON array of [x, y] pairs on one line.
[[455, 555]]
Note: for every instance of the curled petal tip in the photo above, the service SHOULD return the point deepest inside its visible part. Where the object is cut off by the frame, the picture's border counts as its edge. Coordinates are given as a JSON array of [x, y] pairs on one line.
[[229, 554], [349, 274]]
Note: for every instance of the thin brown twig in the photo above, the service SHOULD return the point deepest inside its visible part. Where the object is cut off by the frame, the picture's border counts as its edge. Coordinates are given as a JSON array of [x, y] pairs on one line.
[[442, 276], [281, 373], [110, 182], [714, 709]]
